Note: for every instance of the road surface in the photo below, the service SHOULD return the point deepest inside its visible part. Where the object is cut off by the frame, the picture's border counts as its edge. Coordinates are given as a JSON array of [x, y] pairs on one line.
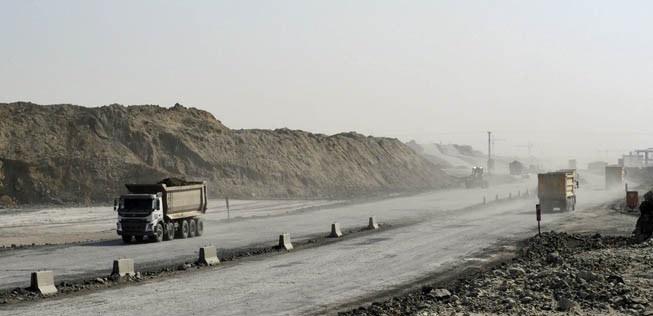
[[71, 260], [438, 230]]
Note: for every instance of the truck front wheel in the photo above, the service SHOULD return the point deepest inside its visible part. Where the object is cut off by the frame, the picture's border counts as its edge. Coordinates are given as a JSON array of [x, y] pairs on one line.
[[192, 228], [183, 230], [158, 233]]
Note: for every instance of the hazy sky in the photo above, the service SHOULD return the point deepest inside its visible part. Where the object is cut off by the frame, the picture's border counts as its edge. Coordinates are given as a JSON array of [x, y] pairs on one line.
[[574, 78]]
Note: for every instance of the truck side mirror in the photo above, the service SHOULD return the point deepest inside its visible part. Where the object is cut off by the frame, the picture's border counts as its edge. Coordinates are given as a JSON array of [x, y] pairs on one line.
[[115, 205]]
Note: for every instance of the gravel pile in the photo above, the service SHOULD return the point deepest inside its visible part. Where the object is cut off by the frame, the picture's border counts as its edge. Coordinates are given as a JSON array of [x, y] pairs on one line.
[[554, 274]]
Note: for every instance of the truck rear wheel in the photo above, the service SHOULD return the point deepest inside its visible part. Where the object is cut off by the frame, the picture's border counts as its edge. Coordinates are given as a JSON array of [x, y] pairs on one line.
[[126, 238], [199, 224], [170, 232], [192, 228], [158, 233], [183, 230]]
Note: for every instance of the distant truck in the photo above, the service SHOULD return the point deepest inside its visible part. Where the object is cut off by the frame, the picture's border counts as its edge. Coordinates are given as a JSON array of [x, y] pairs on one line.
[[476, 179], [596, 166], [614, 176], [573, 174], [516, 168], [161, 211], [557, 190]]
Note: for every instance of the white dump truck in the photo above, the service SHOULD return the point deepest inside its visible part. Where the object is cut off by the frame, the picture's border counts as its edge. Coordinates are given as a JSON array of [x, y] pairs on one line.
[[161, 211], [557, 190]]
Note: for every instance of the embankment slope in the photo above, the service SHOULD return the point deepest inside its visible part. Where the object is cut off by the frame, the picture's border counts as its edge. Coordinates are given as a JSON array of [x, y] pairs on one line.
[[74, 154]]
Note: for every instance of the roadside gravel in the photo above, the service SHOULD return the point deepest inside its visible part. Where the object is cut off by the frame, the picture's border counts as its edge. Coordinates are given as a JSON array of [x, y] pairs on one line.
[[557, 273]]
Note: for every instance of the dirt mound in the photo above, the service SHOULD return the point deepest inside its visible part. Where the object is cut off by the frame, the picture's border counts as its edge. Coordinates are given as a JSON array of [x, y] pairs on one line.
[[73, 154], [556, 273]]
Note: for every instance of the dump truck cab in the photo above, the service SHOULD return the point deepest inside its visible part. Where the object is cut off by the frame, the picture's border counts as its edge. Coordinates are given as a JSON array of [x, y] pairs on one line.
[[138, 215]]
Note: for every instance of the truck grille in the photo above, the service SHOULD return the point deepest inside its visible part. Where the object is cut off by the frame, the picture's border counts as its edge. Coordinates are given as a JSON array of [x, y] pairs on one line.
[[132, 226]]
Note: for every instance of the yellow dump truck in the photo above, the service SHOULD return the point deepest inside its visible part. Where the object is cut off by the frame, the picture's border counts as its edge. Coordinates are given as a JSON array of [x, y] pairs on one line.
[[572, 173], [557, 190], [614, 176]]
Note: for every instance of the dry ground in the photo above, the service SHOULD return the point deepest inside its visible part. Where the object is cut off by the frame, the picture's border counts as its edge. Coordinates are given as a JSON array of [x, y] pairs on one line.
[[557, 273]]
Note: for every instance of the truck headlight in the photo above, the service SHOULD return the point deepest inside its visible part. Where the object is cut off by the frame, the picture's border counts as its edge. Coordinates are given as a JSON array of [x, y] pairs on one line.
[[148, 228]]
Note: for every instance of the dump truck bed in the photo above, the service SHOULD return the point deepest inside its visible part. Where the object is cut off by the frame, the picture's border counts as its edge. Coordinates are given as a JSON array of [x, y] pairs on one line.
[[556, 185], [614, 176], [178, 201]]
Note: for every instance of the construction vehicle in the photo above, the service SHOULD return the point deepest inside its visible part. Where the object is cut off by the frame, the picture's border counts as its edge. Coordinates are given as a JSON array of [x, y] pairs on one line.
[[614, 176], [161, 211], [596, 166], [476, 179], [557, 190], [572, 173], [516, 168]]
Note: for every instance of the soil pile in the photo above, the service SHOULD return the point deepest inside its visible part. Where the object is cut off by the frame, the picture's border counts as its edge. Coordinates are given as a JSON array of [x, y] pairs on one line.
[[556, 273], [73, 154]]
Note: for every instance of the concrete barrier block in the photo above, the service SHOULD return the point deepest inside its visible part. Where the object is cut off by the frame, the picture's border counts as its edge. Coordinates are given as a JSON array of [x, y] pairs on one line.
[[335, 230], [284, 241], [372, 223], [123, 267], [43, 282], [209, 255]]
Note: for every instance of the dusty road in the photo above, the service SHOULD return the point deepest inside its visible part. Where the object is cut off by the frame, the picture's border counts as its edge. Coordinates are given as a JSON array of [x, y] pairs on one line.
[[79, 224], [438, 233], [97, 257]]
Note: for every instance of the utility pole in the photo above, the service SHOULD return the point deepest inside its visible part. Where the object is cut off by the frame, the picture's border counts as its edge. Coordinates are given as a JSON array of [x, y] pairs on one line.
[[489, 142], [490, 163]]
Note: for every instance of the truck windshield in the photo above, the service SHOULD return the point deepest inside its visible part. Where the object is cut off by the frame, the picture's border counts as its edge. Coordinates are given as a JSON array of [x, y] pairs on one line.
[[136, 205]]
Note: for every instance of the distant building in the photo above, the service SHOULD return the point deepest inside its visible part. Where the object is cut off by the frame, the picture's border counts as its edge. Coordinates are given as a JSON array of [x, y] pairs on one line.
[[597, 166], [638, 158]]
